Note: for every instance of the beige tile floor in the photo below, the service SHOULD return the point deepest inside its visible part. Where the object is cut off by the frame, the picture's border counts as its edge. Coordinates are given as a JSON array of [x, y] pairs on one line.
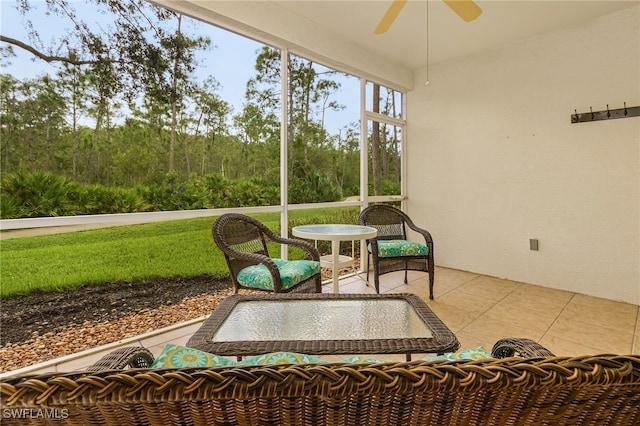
[[477, 308], [481, 309]]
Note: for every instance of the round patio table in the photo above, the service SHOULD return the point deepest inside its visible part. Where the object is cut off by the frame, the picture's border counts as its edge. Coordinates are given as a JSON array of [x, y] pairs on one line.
[[335, 233]]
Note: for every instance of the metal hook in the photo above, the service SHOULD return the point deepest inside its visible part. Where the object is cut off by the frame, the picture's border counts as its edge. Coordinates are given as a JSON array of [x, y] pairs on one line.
[[608, 113], [625, 108], [591, 112], [577, 118]]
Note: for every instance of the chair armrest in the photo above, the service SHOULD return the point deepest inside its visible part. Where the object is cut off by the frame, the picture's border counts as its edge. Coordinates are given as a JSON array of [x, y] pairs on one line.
[[312, 252], [525, 348], [131, 356], [426, 234]]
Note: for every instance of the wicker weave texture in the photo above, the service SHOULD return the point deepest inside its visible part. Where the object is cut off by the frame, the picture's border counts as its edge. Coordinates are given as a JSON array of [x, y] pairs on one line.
[[243, 240], [392, 224], [600, 390], [522, 347], [134, 357]]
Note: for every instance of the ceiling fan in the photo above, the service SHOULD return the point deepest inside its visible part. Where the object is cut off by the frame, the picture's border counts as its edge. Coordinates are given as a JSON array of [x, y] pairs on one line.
[[466, 9]]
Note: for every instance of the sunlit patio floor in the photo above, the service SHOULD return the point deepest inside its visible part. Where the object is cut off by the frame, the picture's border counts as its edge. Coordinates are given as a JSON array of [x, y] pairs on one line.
[[479, 309]]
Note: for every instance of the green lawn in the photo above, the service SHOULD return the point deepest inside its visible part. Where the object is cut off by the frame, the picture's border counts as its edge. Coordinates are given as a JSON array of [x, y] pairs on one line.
[[182, 248]]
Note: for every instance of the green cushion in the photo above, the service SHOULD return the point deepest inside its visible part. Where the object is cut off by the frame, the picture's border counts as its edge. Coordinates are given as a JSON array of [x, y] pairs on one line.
[[472, 354], [397, 248], [281, 358], [175, 356], [291, 273], [357, 359]]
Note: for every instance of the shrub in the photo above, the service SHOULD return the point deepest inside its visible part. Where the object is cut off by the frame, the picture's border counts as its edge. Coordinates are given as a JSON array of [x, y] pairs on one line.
[[218, 189], [39, 194], [119, 200], [44, 194], [253, 192], [11, 208], [315, 187]]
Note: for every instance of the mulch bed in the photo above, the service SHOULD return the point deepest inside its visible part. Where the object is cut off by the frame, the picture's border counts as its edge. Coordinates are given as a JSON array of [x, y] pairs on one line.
[[40, 327]]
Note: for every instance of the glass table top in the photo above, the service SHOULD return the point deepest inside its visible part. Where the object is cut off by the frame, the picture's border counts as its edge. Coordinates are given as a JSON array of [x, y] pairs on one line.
[[323, 323], [325, 320], [333, 230]]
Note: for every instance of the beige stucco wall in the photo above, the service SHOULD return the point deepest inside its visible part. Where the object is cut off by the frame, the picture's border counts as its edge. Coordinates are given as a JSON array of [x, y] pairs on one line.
[[494, 161]]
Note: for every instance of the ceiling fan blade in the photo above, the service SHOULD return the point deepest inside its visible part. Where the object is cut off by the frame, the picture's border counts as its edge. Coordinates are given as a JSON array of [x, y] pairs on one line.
[[390, 16], [466, 9]]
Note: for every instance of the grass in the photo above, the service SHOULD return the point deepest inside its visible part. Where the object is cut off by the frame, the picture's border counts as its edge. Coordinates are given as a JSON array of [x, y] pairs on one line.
[[181, 248]]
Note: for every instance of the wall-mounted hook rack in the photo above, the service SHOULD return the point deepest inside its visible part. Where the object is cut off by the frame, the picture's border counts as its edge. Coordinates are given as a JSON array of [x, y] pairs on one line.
[[607, 114]]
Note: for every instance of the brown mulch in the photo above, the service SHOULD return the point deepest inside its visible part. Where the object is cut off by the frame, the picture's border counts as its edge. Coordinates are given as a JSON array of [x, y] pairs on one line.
[[40, 327]]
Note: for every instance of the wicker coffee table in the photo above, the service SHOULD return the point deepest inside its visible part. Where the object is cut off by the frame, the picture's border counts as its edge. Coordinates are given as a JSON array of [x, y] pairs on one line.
[[324, 324]]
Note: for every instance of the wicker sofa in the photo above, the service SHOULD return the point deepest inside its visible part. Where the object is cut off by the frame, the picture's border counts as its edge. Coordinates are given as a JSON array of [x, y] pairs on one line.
[[532, 388]]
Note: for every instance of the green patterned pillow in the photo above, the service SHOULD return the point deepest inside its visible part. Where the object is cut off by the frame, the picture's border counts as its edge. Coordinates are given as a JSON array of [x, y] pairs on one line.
[[175, 356], [281, 358], [395, 248], [472, 354], [291, 273], [362, 360]]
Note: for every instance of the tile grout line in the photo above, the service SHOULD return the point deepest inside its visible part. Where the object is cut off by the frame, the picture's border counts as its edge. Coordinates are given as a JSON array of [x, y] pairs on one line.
[[458, 286], [558, 316], [634, 333], [520, 284]]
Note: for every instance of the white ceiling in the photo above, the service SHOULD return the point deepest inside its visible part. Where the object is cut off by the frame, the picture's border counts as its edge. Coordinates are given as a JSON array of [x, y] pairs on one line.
[[502, 22]]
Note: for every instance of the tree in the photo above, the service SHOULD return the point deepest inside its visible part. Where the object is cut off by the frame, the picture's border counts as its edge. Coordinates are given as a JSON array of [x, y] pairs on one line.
[[376, 169], [10, 119], [211, 115], [118, 56], [125, 110], [139, 52], [180, 50], [310, 88], [256, 125], [73, 82], [385, 155], [43, 112]]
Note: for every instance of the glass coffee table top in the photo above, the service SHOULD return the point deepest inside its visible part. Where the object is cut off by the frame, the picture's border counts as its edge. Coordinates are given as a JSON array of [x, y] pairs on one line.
[[323, 324], [322, 320]]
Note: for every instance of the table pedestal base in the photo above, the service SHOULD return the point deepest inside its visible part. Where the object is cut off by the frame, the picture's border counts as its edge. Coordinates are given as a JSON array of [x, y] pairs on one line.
[[343, 261], [336, 261]]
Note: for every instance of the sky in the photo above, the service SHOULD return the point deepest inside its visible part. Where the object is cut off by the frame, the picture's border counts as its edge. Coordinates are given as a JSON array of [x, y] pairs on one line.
[[231, 61]]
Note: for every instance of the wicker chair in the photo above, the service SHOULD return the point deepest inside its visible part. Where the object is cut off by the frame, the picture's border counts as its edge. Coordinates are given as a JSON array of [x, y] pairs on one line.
[[392, 224], [542, 390], [243, 240]]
